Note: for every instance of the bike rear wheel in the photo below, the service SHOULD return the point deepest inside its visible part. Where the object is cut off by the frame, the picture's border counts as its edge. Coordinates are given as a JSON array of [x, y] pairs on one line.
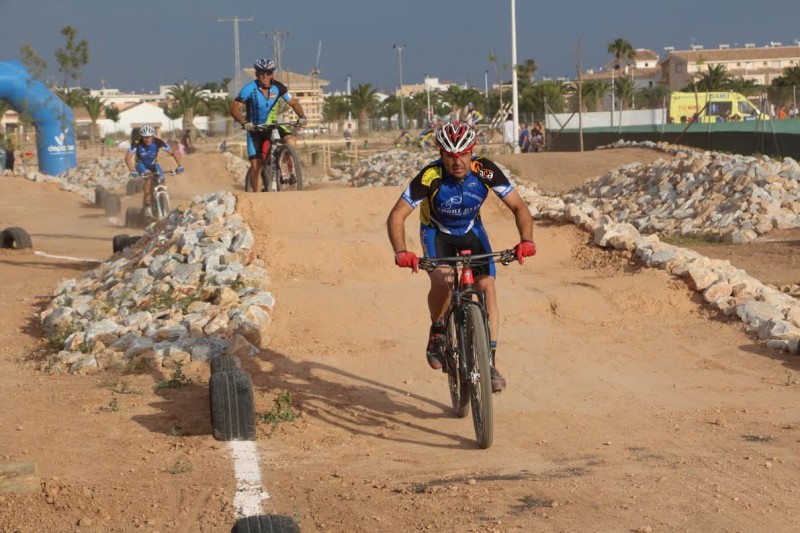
[[480, 377], [459, 389], [289, 169]]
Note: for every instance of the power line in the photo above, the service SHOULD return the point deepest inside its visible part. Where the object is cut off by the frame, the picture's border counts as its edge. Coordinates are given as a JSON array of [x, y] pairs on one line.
[[276, 45], [236, 65]]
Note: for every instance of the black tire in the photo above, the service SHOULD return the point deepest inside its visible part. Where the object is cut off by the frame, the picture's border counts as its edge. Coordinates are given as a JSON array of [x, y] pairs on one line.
[[14, 237], [134, 217], [247, 187], [225, 363], [290, 169], [232, 408], [480, 392], [120, 242], [459, 390], [112, 204], [99, 195], [130, 187], [272, 523]]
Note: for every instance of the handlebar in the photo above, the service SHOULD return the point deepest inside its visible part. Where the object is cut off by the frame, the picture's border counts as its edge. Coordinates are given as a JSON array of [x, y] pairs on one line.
[[506, 257], [265, 127]]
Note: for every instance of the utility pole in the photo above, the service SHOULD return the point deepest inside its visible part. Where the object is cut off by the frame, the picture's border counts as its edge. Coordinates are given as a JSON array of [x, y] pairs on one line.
[[349, 113], [276, 45], [399, 48], [236, 65]]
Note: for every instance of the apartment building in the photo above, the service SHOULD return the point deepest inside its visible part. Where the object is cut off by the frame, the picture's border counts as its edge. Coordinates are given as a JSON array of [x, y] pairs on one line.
[[761, 64]]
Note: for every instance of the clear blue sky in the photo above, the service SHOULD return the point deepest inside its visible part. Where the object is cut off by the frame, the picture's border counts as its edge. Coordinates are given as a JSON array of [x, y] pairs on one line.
[[137, 45]]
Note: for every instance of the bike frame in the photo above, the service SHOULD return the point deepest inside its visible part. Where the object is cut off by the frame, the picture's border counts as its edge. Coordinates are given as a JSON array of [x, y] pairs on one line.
[[468, 377], [160, 195], [268, 149]]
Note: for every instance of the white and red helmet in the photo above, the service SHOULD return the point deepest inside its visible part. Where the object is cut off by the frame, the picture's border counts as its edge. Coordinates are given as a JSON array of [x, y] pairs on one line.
[[456, 138]]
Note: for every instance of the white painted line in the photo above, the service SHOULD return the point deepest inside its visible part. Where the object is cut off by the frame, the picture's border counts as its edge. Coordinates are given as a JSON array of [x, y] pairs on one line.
[[68, 258], [249, 492]]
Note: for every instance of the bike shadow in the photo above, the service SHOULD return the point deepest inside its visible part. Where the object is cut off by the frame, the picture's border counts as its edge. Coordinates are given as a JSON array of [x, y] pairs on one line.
[[353, 403]]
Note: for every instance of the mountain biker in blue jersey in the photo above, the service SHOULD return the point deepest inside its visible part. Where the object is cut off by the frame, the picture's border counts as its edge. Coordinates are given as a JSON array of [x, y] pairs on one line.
[[451, 191], [146, 149], [259, 99]]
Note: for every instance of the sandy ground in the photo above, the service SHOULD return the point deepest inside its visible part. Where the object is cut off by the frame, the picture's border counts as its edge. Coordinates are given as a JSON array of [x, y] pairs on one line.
[[630, 406]]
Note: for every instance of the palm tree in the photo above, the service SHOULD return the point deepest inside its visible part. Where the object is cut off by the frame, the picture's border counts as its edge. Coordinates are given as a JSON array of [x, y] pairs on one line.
[[221, 107], [94, 107], [624, 89], [364, 100], [652, 97], [716, 78], [622, 50], [593, 93], [190, 99]]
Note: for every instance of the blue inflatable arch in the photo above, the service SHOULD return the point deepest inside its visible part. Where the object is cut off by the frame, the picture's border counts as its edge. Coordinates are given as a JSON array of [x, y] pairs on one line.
[[55, 133]]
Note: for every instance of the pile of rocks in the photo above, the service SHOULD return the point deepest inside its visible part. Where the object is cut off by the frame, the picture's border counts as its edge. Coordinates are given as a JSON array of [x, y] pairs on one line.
[[107, 172], [718, 196], [393, 167], [189, 290]]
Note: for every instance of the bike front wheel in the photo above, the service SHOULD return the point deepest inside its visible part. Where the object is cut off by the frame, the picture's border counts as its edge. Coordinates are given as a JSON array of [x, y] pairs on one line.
[[479, 375], [459, 388], [162, 205], [290, 172]]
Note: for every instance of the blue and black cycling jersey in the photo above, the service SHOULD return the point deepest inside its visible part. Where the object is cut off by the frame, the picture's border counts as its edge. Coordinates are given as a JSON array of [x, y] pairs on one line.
[[260, 108], [146, 156], [453, 206], [450, 218]]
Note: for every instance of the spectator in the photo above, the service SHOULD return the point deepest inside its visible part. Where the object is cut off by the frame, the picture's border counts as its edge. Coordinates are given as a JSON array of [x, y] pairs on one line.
[[9, 158], [792, 111], [537, 137], [348, 137], [223, 146], [524, 138], [780, 112], [509, 138]]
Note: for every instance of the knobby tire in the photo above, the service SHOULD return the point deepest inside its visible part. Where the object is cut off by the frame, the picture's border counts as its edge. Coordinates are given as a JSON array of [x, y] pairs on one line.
[[289, 168], [459, 388], [480, 389]]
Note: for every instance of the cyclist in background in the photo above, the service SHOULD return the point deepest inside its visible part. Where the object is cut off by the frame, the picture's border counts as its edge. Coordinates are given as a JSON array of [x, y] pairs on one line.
[[259, 98], [451, 191], [471, 115], [146, 148]]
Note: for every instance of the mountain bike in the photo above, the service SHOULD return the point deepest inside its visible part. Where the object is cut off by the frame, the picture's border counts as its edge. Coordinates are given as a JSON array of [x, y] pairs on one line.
[[467, 341], [135, 217], [161, 203], [278, 159]]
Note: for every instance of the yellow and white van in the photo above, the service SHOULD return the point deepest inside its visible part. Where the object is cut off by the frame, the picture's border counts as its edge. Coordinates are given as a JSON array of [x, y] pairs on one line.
[[713, 106]]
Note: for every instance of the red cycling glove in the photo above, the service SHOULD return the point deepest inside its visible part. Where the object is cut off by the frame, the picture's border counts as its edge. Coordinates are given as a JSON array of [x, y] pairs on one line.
[[405, 259], [524, 249]]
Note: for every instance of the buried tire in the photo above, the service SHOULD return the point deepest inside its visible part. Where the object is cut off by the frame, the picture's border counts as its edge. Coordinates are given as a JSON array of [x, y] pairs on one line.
[[15, 238], [232, 409], [272, 523], [112, 204], [225, 363], [120, 242], [134, 217], [99, 196]]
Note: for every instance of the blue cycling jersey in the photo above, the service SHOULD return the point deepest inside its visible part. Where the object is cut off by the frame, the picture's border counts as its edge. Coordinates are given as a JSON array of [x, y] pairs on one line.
[[258, 105], [145, 154], [453, 206]]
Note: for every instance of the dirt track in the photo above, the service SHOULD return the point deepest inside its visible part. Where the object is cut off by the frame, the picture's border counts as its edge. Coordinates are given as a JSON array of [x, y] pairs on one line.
[[629, 405]]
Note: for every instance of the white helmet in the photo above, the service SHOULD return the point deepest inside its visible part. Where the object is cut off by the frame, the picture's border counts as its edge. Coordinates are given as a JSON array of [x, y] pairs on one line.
[[456, 137], [147, 131]]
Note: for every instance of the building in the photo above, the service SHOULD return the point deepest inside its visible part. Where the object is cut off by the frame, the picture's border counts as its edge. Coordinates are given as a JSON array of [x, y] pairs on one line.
[[761, 64]]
